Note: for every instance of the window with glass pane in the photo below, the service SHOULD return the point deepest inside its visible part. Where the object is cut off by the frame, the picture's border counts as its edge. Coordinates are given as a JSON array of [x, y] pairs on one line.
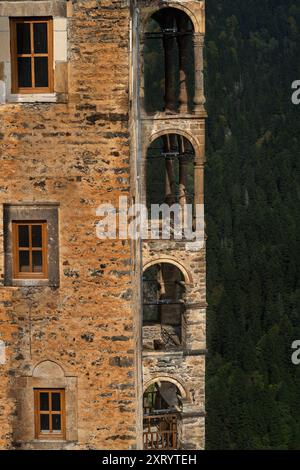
[[49, 413], [30, 250], [32, 55]]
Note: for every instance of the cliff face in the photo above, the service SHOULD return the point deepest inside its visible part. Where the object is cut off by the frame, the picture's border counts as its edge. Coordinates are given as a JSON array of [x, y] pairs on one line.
[[252, 214]]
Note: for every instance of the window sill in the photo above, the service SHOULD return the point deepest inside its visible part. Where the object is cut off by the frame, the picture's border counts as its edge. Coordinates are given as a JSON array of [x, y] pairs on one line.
[[51, 439], [45, 441], [32, 98], [38, 444], [30, 283]]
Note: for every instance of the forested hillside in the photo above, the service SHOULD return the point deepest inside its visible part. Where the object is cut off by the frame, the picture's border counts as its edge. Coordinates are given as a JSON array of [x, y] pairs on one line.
[[253, 223]]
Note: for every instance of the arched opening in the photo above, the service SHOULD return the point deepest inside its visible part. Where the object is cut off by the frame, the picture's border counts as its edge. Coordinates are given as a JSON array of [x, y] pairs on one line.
[[163, 307], [169, 70], [170, 171], [161, 405]]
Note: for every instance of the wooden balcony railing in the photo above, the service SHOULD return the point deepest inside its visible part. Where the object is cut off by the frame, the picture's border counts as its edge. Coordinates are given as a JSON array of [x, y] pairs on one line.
[[160, 431]]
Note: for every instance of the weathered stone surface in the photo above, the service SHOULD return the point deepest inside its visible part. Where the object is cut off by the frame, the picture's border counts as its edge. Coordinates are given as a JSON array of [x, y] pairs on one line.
[[80, 152], [73, 153], [184, 365]]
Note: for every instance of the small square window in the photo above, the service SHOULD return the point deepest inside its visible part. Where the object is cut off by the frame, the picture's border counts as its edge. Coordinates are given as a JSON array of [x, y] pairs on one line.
[[49, 413], [30, 250], [32, 55], [31, 244]]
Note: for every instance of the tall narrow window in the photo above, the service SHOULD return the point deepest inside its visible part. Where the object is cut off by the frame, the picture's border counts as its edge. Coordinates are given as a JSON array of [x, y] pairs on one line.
[[32, 55], [49, 413], [30, 250]]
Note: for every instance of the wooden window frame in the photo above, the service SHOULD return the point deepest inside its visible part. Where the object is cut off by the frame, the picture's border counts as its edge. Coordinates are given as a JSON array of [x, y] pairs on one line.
[[16, 250], [14, 55], [37, 413]]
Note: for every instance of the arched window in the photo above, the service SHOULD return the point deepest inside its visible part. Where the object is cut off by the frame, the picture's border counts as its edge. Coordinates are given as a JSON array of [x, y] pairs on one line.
[[161, 403], [169, 69], [170, 171], [163, 298], [48, 405]]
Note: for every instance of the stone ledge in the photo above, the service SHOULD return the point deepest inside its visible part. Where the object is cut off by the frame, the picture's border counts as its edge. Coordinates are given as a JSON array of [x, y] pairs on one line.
[[32, 203], [31, 283], [37, 98], [193, 414], [177, 116], [196, 305], [34, 8], [190, 410], [162, 353], [196, 352], [36, 444]]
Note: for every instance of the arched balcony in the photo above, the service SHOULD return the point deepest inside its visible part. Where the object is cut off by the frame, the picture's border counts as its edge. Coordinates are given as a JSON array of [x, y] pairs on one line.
[[161, 403], [170, 171], [163, 307], [173, 63]]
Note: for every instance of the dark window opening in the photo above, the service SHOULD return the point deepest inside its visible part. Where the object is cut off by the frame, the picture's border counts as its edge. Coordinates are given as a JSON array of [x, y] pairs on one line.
[[161, 403], [163, 307], [49, 413], [170, 171], [30, 250], [169, 62]]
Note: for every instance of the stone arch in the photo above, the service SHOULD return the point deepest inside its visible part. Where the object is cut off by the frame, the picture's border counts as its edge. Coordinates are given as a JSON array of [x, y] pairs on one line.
[[173, 130], [169, 61], [168, 259], [48, 369], [197, 23], [167, 378]]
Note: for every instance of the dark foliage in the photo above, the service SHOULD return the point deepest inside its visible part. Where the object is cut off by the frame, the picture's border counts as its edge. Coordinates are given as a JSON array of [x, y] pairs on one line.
[[253, 224]]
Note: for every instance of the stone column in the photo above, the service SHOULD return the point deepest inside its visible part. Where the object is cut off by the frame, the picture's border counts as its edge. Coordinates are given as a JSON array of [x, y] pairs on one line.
[[183, 168], [169, 191], [198, 218], [169, 41], [183, 45], [199, 99], [183, 172], [198, 182], [143, 171], [142, 75]]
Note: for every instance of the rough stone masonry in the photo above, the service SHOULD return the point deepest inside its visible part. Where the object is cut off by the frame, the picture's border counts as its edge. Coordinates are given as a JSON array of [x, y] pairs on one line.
[[66, 153]]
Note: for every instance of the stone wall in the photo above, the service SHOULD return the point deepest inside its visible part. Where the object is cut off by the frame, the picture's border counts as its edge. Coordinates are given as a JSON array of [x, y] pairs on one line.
[[185, 367], [81, 147], [75, 154]]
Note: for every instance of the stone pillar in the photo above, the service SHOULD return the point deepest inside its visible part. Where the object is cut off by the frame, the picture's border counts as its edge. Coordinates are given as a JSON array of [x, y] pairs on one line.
[[183, 45], [199, 99], [199, 224], [198, 182], [191, 425], [143, 172], [169, 191], [193, 328], [169, 41], [183, 168], [142, 75]]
